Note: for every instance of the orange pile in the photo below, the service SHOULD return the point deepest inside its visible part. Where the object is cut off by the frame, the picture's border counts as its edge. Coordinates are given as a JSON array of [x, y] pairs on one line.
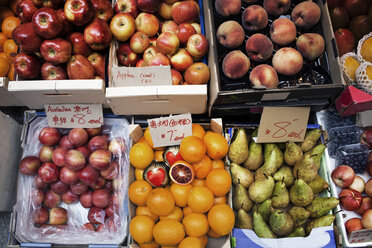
[[183, 215]]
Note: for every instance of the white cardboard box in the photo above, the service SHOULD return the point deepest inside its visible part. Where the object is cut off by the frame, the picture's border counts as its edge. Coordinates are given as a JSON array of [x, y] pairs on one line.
[[6, 97]]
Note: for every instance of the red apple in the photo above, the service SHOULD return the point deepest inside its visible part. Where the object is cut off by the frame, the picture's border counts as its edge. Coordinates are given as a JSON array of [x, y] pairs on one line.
[[53, 72], [74, 160], [177, 78], [51, 199], [111, 172], [356, 7], [116, 146], [48, 172], [167, 43], [96, 215], [37, 197], [103, 9], [65, 143], [29, 165], [88, 175], [369, 167], [27, 66], [22, 35], [353, 224], [84, 150], [100, 159], [149, 54], [68, 176], [169, 26], [100, 198], [58, 216], [358, 184], [197, 73], [79, 67], [47, 22], [126, 56], [350, 199], [56, 51], [184, 31], [59, 187], [366, 138], [197, 45], [89, 226], [159, 59], [45, 154], [150, 6], [139, 42], [165, 11], [126, 6], [368, 187], [98, 62], [122, 26], [110, 211], [141, 63], [185, 11], [94, 131], [100, 183], [97, 34], [147, 23], [40, 215], [197, 27], [333, 3], [367, 219], [366, 204], [69, 197], [98, 142], [369, 157], [58, 156], [86, 199], [345, 41], [67, 26], [343, 176], [181, 60], [79, 188], [39, 184], [48, 3], [79, 12], [25, 10], [79, 46], [153, 41]]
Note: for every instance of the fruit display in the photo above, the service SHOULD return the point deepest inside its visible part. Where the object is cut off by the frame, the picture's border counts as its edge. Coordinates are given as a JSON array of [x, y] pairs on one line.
[[62, 39], [279, 188], [180, 194], [72, 184], [161, 33]]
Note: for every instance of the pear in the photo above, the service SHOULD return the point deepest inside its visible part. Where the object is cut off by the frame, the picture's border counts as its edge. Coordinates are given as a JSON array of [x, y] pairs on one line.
[[284, 174], [300, 193], [321, 206], [281, 223], [240, 175], [268, 148], [255, 157], [238, 150], [260, 227], [243, 220], [279, 157], [292, 154], [305, 169], [241, 199], [259, 191], [317, 153], [265, 209], [311, 138], [318, 184], [325, 220], [281, 146], [259, 174], [280, 197], [299, 215], [270, 165], [297, 232]]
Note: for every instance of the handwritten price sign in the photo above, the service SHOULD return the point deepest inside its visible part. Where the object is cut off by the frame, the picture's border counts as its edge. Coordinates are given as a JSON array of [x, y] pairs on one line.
[[141, 76], [361, 236], [281, 124], [74, 115], [170, 130]]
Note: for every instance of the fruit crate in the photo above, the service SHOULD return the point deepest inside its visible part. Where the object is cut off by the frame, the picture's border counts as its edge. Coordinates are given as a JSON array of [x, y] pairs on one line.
[[6, 98], [155, 99], [319, 237], [229, 97], [17, 238]]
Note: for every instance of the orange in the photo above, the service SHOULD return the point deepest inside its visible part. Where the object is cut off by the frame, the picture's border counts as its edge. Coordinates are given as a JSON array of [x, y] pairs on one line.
[[142, 140], [216, 145], [221, 219], [4, 13], [218, 181], [366, 50], [220, 199], [159, 156], [138, 192], [176, 214], [195, 224], [2, 55], [168, 232], [198, 182], [11, 72], [198, 131], [3, 38], [141, 155], [213, 234], [152, 244], [179, 193], [192, 149], [351, 65], [181, 173], [187, 210], [200, 199], [10, 49], [144, 210], [204, 240], [218, 164], [4, 67], [203, 167], [190, 242], [148, 139], [138, 173], [10, 23], [160, 201], [141, 228]]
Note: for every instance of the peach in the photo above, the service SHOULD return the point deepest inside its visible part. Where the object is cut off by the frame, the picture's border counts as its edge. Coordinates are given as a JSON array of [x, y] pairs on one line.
[[310, 45], [306, 14], [254, 18], [264, 75], [235, 64], [287, 61], [283, 31], [259, 47], [228, 8], [276, 7], [230, 34]]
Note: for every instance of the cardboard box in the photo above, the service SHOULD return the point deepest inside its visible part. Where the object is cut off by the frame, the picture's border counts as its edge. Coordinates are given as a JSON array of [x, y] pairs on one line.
[[7, 98], [252, 98], [352, 101]]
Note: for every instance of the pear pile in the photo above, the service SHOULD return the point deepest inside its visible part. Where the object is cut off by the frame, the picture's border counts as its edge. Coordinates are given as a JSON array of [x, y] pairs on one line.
[[277, 186]]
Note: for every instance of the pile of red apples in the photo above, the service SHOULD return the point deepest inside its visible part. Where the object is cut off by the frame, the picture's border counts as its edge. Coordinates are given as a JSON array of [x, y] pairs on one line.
[[62, 39], [161, 33], [81, 166], [281, 36]]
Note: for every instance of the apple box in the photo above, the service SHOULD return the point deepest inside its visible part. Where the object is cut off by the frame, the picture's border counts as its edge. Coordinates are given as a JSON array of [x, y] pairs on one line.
[[6, 98], [352, 101]]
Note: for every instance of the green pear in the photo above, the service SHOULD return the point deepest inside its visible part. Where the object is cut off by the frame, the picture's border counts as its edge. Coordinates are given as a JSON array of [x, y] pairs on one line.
[[270, 165], [259, 191], [284, 174], [241, 175], [321, 206], [241, 199], [238, 150], [260, 227], [281, 223], [318, 184], [279, 157], [265, 209], [300, 193], [299, 215], [325, 220], [280, 197], [255, 157], [305, 169], [292, 154], [243, 220], [317, 153], [268, 148], [311, 138], [297, 232], [259, 174]]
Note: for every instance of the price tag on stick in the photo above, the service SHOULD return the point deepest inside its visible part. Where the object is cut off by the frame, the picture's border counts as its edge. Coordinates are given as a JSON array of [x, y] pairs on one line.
[[74, 115], [281, 124], [169, 131]]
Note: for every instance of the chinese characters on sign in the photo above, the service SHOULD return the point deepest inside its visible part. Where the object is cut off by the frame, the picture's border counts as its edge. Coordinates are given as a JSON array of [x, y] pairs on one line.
[[74, 115], [171, 130]]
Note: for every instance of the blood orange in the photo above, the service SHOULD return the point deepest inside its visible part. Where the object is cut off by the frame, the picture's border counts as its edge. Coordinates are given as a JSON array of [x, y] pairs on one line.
[[181, 173]]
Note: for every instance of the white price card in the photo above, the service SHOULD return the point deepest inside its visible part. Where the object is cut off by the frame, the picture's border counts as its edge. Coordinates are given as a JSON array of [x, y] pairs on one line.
[[141, 76], [361, 236], [169, 131], [74, 115]]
